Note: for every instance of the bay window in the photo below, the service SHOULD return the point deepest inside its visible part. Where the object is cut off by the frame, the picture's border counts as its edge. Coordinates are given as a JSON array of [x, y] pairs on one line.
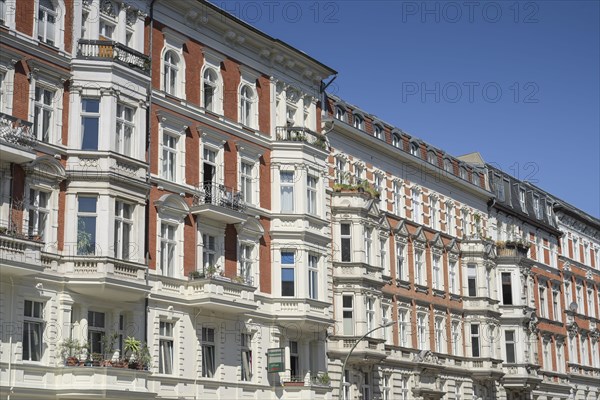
[[86, 225], [123, 229]]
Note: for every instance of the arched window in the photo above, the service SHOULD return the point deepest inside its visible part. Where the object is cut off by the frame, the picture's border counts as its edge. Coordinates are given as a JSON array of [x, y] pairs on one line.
[[340, 113], [46, 24], [358, 121], [247, 99], [414, 149], [209, 89], [396, 140], [432, 157], [463, 173], [170, 71], [448, 165], [378, 132]]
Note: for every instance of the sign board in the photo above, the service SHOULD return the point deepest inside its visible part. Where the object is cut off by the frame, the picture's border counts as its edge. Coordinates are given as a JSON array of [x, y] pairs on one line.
[[276, 360]]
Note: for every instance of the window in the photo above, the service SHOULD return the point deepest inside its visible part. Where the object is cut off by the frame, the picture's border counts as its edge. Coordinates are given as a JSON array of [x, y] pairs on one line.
[[383, 261], [432, 157], [404, 388], [168, 245], [557, 314], [463, 173], [584, 353], [500, 190], [341, 176], [506, 289], [33, 328], [209, 252], [433, 213], [464, 223], [416, 206], [125, 129], [403, 327], [452, 277], [458, 390], [96, 331], [509, 339], [414, 149], [39, 210], [384, 320], [368, 245], [3, 12], [340, 114], [386, 389], [209, 89], [547, 362], [378, 132], [246, 345], [90, 119], [46, 24], [400, 272], [208, 353], [346, 385], [560, 357], [169, 157], [537, 210], [294, 362], [287, 191], [456, 335], [358, 122], [522, 199], [165, 345], [576, 249], [379, 183], [247, 105], [579, 298], [107, 29], [370, 313], [345, 245], [311, 194], [86, 225], [42, 114], [348, 314], [472, 279], [439, 335], [591, 312], [366, 388], [449, 219], [313, 276], [422, 331], [246, 182], [170, 71], [396, 140], [246, 264], [358, 173], [436, 273], [287, 274], [475, 340], [448, 167], [420, 278], [123, 229], [397, 188]]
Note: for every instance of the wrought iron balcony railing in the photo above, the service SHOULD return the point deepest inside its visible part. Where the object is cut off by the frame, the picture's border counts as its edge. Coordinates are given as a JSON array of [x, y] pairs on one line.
[[300, 134], [219, 195], [16, 132], [103, 49]]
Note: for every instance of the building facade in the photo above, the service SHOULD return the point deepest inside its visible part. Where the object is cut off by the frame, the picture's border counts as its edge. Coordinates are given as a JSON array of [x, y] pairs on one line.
[[178, 196]]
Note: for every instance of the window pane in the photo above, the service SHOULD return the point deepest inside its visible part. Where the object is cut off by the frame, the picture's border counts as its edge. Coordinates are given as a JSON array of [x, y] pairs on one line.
[[87, 204]]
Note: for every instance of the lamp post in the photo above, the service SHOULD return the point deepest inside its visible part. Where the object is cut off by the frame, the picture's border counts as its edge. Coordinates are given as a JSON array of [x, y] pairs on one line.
[[352, 349]]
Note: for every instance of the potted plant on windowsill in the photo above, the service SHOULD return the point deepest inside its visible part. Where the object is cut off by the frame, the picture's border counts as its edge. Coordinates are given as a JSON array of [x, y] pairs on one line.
[[196, 275]]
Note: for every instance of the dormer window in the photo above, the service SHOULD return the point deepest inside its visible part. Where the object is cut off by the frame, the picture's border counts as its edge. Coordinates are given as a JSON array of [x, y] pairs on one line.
[[340, 113], [378, 132], [448, 165], [396, 140], [463, 173], [432, 157], [359, 123], [414, 149]]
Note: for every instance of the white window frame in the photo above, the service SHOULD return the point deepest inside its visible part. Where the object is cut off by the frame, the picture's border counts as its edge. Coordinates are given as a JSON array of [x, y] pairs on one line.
[[370, 312], [247, 362], [401, 271], [453, 277], [209, 346], [33, 331], [86, 214], [41, 109], [313, 276], [91, 115], [436, 272], [168, 244], [248, 104], [346, 238], [416, 205], [41, 25], [122, 222], [312, 183], [125, 129], [166, 348], [287, 186], [39, 214], [403, 327], [422, 331], [420, 273], [171, 71], [348, 327], [169, 146]]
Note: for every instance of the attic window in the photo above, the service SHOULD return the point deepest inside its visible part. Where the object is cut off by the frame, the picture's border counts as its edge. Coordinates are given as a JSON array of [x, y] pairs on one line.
[[358, 122], [340, 113], [414, 149]]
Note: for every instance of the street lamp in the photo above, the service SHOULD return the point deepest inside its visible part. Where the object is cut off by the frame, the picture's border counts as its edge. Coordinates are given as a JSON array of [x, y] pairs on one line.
[[352, 349]]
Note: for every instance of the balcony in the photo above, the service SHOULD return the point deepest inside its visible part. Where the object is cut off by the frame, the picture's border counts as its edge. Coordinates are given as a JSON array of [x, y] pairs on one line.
[[300, 135], [41, 381], [521, 376], [117, 52], [300, 311], [368, 351], [20, 252], [105, 278], [219, 203], [16, 140], [485, 368]]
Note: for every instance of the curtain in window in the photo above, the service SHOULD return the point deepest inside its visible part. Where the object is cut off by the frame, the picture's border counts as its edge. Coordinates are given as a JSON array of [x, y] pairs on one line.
[[246, 365], [208, 361], [166, 357]]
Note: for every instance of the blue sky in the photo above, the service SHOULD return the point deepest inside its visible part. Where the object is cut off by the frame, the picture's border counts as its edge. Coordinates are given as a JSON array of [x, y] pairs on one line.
[[518, 81]]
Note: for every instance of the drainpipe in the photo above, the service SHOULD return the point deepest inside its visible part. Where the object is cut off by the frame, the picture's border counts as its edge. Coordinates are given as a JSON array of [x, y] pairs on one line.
[[10, 340], [149, 155]]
